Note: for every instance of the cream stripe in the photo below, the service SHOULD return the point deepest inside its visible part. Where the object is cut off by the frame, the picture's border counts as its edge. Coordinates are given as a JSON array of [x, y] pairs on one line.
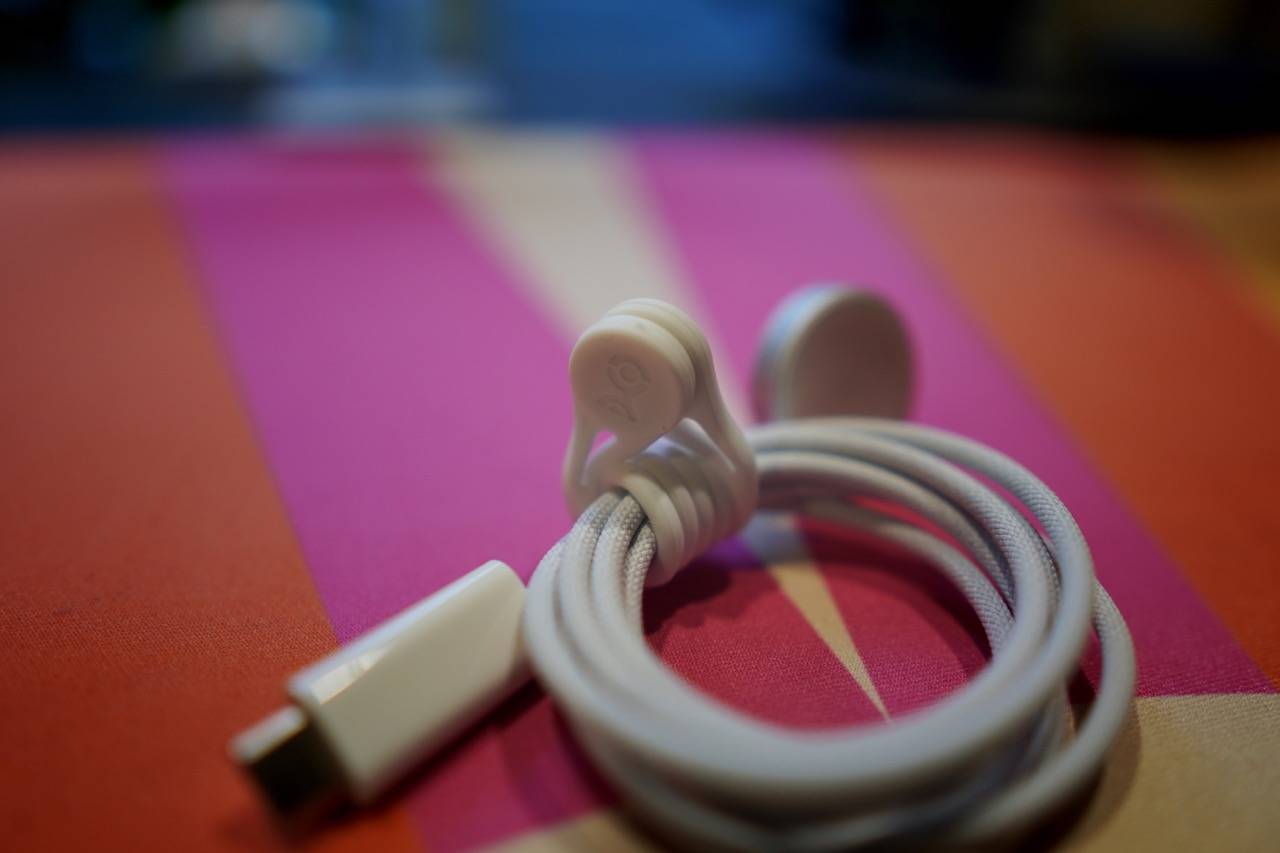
[[562, 210], [1231, 191], [1191, 773], [559, 206], [607, 829]]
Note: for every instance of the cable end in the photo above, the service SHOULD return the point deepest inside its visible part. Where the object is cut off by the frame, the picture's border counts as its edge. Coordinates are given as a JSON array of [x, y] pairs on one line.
[[292, 766], [364, 716]]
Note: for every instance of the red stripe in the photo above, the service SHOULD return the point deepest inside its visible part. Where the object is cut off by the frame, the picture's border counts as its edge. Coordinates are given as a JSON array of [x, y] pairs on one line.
[[152, 593]]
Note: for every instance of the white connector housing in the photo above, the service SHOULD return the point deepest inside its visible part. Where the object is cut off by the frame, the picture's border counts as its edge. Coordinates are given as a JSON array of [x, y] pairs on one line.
[[385, 701]]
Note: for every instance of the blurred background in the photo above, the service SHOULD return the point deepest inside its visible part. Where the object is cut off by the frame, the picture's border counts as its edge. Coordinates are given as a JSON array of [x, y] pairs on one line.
[[1180, 67]]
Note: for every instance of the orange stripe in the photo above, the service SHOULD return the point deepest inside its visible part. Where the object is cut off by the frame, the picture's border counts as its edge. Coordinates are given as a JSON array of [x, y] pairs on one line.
[[152, 595], [1131, 332]]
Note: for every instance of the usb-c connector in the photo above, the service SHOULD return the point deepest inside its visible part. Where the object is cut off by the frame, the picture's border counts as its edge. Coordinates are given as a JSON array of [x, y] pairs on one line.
[[366, 714], [292, 765]]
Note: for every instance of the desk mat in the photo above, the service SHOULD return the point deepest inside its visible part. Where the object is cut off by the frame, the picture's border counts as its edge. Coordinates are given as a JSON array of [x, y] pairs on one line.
[[262, 392]]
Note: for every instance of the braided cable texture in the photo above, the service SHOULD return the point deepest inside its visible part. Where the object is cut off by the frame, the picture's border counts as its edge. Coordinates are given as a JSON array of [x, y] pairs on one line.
[[982, 764]]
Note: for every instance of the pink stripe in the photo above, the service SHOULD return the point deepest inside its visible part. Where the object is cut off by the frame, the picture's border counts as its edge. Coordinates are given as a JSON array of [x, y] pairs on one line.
[[413, 408], [754, 217]]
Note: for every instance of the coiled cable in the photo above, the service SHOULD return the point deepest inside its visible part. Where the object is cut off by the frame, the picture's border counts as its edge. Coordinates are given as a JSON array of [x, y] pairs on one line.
[[984, 763]]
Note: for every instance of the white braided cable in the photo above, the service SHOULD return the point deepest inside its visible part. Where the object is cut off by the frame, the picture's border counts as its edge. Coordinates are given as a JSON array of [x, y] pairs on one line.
[[983, 763]]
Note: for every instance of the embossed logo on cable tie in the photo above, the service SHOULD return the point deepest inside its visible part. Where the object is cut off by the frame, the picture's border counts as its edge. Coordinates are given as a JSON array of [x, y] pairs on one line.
[[630, 379]]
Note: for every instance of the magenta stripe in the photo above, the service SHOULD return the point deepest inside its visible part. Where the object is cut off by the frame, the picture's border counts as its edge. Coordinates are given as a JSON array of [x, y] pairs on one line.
[[753, 217], [412, 406]]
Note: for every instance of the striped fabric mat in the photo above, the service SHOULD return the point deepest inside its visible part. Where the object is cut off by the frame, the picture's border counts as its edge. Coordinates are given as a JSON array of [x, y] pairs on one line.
[[260, 394]]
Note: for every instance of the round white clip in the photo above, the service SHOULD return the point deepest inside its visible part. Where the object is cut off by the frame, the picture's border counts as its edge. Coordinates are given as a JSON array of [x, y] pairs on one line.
[[644, 374], [831, 350]]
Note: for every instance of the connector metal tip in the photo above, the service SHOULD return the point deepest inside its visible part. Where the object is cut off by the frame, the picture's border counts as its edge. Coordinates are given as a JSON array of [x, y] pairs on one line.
[[292, 765]]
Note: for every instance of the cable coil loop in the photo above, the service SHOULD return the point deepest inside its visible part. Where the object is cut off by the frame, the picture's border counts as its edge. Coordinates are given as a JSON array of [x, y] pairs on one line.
[[979, 765]]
